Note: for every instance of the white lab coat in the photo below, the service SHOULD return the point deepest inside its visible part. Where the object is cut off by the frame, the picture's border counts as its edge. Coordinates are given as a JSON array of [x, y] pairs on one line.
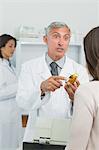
[[54, 104], [9, 113]]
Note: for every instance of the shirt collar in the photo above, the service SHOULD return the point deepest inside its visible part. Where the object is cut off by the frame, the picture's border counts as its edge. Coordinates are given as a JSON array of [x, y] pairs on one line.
[[60, 62]]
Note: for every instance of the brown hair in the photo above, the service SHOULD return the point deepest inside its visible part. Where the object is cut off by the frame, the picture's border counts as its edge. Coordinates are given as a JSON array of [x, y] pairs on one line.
[[4, 38], [91, 48]]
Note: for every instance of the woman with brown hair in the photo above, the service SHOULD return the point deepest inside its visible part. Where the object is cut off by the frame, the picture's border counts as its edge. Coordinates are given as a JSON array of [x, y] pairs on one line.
[[85, 123], [9, 112]]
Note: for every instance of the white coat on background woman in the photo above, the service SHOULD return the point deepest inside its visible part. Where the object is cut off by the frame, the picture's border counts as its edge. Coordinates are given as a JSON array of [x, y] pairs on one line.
[[9, 113]]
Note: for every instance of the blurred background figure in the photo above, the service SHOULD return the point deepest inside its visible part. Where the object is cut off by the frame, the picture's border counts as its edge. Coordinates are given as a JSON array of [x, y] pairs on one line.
[[85, 123], [9, 112]]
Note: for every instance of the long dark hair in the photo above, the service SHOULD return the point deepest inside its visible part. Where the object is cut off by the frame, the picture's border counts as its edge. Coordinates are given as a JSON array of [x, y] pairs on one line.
[[4, 38], [91, 48]]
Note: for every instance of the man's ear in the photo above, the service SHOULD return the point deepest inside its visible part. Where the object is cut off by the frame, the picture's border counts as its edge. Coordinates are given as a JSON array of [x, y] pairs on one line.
[[45, 39]]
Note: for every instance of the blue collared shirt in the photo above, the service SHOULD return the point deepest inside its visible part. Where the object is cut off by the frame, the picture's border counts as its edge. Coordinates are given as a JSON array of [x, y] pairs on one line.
[[60, 62]]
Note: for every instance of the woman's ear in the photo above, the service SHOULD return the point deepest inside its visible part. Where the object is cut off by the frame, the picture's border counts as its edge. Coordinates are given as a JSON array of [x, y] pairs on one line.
[[45, 39]]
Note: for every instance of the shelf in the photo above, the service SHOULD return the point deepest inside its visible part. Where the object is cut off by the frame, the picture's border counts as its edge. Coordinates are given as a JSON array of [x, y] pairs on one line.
[[42, 43]]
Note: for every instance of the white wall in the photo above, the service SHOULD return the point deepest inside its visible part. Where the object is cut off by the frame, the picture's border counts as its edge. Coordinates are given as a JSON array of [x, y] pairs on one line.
[[80, 16]]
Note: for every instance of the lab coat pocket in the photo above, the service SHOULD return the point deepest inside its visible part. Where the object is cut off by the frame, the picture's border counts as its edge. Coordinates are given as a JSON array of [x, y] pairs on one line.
[[8, 111]]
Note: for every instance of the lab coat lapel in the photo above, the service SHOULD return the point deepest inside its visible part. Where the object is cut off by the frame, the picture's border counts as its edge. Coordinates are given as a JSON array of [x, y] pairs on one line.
[[67, 68], [44, 70], [66, 71], [11, 69]]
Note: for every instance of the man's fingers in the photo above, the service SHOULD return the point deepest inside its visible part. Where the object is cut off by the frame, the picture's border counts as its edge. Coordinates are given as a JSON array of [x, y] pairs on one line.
[[78, 83], [53, 88], [59, 78], [56, 83]]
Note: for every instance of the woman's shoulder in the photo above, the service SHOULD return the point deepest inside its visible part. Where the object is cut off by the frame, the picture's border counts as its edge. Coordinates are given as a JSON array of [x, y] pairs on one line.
[[88, 96], [1, 64], [1, 61], [89, 91], [90, 85]]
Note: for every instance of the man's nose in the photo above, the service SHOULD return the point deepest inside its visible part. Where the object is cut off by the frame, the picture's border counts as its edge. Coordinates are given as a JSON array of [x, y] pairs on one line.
[[60, 42]]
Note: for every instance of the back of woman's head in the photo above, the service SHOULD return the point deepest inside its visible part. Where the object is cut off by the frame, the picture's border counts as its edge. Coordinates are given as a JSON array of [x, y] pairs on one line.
[[4, 38], [91, 48]]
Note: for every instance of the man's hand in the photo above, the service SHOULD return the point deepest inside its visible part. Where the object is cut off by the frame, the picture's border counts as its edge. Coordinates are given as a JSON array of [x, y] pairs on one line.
[[71, 88], [51, 84]]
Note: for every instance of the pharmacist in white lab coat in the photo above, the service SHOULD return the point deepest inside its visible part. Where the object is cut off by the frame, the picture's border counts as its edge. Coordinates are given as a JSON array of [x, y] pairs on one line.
[[9, 113], [43, 93]]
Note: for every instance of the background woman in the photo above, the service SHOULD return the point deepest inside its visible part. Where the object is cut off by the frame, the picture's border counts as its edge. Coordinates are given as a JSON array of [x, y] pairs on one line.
[[9, 113]]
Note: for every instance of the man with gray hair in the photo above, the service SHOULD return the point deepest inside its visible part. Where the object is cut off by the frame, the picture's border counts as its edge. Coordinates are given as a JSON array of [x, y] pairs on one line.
[[41, 88], [55, 25]]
